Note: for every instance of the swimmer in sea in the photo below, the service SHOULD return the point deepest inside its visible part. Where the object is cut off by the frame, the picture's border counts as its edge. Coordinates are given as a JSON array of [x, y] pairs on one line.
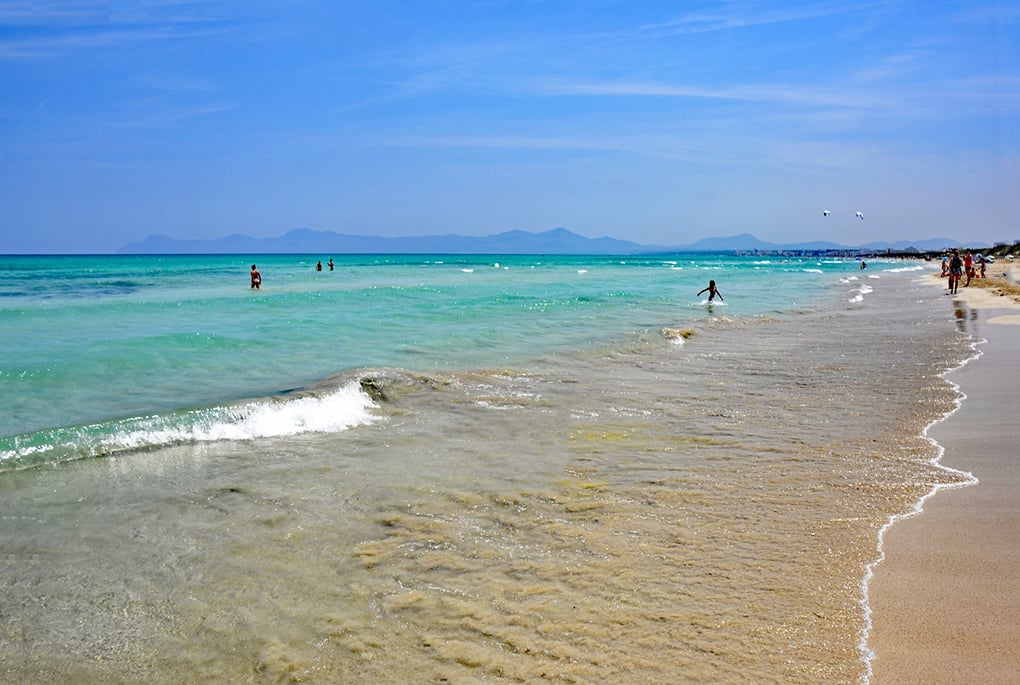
[[256, 278], [712, 291]]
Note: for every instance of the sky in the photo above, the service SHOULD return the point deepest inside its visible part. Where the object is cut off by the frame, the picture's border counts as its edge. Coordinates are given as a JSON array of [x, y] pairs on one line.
[[657, 122]]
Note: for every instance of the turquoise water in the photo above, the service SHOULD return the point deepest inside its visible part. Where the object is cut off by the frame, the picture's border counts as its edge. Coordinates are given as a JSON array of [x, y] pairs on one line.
[[87, 339], [457, 469]]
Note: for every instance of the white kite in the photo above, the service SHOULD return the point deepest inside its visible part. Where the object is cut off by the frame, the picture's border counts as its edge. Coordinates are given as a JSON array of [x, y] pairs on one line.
[[860, 216], [826, 213]]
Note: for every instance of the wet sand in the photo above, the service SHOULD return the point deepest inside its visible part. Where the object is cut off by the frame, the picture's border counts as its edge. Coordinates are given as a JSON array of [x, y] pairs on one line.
[[946, 599]]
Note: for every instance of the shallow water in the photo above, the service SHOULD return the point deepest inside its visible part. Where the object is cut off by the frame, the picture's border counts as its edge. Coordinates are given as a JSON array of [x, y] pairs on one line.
[[634, 506], [186, 331]]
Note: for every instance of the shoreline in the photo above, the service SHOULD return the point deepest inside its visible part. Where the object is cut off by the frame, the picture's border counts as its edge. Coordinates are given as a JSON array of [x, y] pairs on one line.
[[941, 600]]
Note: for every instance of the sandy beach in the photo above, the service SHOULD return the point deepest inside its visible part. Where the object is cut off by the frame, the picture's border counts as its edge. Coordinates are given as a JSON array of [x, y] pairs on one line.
[[946, 598]]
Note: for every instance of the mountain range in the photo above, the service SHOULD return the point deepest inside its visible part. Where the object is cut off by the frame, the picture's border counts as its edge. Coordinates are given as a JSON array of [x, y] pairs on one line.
[[555, 241]]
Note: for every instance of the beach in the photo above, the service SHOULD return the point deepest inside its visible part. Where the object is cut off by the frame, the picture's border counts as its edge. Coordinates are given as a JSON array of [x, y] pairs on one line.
[[459, 468], [945, 598]]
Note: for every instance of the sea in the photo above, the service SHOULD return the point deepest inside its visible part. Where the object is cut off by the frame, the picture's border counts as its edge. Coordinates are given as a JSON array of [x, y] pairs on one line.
[[459, 468]]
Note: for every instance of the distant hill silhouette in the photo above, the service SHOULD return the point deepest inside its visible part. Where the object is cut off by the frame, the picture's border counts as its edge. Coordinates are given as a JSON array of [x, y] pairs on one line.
[[555, 241]]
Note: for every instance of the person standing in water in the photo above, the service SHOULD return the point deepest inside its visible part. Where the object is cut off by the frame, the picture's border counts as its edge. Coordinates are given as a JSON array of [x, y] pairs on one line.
[[330, 263], [256, 278], [712, 292]]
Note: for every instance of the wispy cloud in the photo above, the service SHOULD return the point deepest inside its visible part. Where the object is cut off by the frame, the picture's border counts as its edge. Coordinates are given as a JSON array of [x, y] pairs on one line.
[[764, 93], [48, 46], [891, 67], [50, 12], [169, 115], [738, 15], [406, 73], [53, 29], [505, 143], [990, 12], [170, 98], [64, 13]]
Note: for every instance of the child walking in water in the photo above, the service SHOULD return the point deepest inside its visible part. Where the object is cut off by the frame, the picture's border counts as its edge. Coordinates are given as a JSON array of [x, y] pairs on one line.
[[712, 291]]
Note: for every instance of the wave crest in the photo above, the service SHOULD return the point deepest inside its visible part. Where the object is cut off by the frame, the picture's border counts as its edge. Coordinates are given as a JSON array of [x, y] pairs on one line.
[[330, 409]]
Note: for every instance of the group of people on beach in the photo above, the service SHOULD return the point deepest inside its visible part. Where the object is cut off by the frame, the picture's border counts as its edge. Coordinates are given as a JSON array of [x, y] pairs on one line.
[[955, 267]]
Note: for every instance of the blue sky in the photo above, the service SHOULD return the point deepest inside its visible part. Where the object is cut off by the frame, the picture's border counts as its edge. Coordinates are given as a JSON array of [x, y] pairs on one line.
[[657, 122]]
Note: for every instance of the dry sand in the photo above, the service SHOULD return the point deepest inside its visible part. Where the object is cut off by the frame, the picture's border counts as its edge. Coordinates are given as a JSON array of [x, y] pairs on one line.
[[946, 598]]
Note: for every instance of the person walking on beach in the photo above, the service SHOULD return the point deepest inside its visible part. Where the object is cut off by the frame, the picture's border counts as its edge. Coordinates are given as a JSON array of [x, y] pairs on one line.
[[955, 272], [256, 278], [968, 267], [712, 292]]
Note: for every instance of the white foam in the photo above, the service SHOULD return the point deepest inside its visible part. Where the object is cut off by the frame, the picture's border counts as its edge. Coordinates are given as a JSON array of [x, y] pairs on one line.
[[11, 455], [339, 410], [333, 412], [862, 290], [868, 654]]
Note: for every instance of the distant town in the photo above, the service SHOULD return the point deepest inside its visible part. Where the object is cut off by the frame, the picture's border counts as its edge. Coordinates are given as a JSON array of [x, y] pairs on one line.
[[1002, 250]]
